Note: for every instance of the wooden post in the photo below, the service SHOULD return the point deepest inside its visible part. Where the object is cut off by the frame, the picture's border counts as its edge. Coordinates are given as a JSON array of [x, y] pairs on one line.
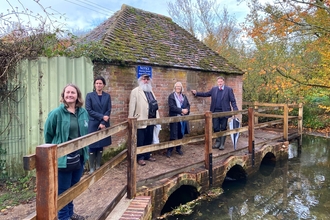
[[286, 122], [256, 118], [47, 184], [208, 138], [131, 158], [300, 119], [251, 128]]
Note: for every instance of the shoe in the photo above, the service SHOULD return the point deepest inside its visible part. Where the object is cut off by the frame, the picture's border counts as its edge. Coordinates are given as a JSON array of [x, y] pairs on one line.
[[168, 154], [179, 152], [77, 217], [141, 162], [152, 159]]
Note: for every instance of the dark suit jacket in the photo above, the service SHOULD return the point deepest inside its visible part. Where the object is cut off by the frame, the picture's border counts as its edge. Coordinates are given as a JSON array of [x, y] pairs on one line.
[[228, 101], [96, 111]]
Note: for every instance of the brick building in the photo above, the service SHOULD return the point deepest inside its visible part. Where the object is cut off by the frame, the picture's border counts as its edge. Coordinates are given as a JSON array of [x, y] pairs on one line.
[[133, 37]]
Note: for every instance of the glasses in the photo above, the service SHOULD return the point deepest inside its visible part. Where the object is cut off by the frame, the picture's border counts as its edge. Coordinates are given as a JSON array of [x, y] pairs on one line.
[[146, 79]]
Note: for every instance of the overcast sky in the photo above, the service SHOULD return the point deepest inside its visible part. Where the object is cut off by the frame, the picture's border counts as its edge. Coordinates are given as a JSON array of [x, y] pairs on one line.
[[85, 14]]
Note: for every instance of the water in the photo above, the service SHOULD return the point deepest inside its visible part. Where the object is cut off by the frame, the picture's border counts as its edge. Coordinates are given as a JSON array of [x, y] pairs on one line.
[[295, 189]]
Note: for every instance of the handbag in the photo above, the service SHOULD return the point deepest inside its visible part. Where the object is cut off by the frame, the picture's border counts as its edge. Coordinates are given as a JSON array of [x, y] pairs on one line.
[[153, 107], [72, 162]]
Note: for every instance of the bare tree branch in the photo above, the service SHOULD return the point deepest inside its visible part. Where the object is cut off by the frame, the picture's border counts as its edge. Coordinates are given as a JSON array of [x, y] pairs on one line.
[[300, 82]]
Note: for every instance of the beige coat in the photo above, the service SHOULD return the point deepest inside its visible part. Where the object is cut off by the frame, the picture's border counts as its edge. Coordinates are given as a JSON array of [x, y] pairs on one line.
[[138, 105]]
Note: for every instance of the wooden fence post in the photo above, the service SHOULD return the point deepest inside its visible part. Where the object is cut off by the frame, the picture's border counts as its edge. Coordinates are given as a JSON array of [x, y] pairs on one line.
[[251, 128], [300, 119], [286, 122], [208, 138], [256, 107], [47, 184], [131, 157]]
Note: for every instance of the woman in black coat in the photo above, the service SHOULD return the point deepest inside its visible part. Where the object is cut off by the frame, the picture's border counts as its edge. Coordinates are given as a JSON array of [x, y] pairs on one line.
[[98, 106], [178, 106]]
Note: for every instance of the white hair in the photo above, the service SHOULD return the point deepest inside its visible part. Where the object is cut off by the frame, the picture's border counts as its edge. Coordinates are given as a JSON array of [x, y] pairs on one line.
[[178, 84], [147, 87]]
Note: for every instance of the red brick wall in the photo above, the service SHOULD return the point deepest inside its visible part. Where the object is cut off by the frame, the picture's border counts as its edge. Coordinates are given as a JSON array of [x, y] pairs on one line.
[[121, 80]]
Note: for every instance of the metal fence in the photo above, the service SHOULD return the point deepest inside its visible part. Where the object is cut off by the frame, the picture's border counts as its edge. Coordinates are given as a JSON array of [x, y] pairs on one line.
[[29, 97]]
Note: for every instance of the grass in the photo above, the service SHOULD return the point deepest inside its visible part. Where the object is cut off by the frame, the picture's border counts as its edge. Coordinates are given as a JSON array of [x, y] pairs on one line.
[[17, 191]]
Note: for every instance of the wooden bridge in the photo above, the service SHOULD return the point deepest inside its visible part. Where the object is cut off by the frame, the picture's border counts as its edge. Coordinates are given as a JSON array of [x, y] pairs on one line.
[[201, 167]]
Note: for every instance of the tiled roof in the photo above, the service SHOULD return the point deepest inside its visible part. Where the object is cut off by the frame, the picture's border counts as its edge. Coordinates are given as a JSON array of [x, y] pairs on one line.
[[136, 36]]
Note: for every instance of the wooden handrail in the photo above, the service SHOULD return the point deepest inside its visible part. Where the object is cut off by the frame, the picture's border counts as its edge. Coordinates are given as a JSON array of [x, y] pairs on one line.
[[273, 116], [270, 104], [45, 158], [168, 144], [78, 143]]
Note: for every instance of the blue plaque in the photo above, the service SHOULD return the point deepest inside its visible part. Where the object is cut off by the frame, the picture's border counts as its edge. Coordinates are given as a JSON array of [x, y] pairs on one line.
[[143, 70]]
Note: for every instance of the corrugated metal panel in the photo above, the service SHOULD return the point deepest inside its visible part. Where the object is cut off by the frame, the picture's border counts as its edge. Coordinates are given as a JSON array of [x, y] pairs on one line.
[[42, 82], [12, 133]]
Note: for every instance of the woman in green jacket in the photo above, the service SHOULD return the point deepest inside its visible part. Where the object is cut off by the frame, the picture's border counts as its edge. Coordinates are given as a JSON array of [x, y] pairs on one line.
[[67, 122]]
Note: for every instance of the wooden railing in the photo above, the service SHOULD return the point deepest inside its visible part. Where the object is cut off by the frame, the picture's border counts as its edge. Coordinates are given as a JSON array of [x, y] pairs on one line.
[[45, 159], [285, 118]]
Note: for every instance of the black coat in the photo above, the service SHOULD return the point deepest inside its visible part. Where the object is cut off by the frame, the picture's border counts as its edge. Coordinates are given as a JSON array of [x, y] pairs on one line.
[[96, 110], [174, 111]]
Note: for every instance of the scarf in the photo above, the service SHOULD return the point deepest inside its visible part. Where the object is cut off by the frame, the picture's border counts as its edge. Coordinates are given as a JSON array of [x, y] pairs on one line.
[[179, 102]]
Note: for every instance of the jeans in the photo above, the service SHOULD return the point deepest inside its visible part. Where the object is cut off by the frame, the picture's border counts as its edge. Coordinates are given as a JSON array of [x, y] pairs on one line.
[[65, 181]]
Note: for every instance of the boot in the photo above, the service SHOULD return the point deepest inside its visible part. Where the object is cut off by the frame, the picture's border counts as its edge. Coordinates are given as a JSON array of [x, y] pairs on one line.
[[91, 163], [98, 158], [178, 150], [217, 143], [169, 152], [222, 142]]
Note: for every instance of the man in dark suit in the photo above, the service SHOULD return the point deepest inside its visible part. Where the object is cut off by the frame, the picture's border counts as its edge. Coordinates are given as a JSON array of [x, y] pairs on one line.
[[222, 100]]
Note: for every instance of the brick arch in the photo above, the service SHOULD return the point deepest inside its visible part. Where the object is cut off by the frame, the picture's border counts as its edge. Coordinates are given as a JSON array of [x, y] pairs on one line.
[[267, 149], [235, 160], [176, 182], [190, 191]]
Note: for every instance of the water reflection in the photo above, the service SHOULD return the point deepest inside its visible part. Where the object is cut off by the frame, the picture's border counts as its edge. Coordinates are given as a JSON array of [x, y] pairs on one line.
[[296, 189]]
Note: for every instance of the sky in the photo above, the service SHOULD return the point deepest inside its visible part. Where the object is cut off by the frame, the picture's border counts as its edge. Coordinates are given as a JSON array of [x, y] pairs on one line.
[[86, 14]]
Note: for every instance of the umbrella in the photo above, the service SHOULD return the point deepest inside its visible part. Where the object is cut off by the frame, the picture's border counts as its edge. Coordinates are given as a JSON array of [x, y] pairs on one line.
[[234, 123], [155, 139]]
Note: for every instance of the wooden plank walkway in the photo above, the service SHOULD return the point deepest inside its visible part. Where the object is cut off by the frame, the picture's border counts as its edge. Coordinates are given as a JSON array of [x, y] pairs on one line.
[[93, 201]]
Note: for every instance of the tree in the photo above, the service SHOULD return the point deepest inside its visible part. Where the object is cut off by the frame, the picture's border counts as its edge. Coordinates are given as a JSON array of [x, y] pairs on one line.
[[25, 35], [303, 28], [290, 62], [203, 19]]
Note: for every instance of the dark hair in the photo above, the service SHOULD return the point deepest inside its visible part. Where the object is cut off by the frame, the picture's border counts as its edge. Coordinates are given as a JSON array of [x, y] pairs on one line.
[[79, 101], [221, 77], [99, 78]]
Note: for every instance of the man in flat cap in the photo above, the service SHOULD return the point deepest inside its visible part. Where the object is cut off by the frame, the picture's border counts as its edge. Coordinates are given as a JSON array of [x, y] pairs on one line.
[[143, 105]]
